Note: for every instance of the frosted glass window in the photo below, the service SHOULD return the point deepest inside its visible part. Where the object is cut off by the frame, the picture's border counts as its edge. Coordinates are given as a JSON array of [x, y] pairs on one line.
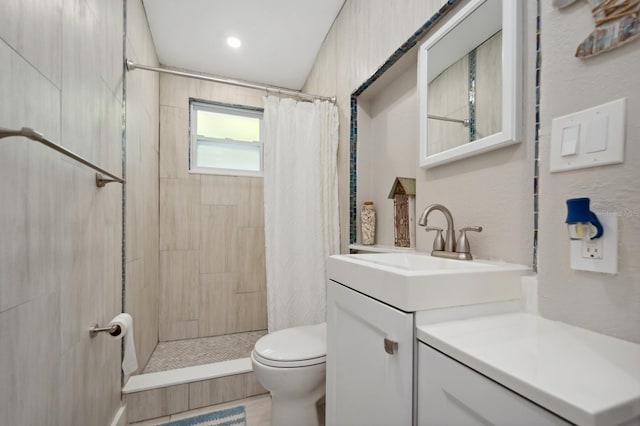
[[228, 155], [225, 139]]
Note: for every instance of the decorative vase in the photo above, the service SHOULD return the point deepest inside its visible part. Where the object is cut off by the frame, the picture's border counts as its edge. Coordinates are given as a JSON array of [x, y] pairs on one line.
[[368, 223]]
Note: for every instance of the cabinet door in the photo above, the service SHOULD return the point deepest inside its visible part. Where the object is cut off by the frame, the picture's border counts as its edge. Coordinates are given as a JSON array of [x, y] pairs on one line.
[[367, 384], [450, 393]]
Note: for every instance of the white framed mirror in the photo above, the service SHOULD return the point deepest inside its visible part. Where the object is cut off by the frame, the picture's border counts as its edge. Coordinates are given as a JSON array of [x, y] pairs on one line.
[[470, 84]]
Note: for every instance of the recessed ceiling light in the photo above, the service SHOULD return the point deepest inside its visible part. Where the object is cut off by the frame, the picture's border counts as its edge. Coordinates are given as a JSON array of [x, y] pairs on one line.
[[234, 42]]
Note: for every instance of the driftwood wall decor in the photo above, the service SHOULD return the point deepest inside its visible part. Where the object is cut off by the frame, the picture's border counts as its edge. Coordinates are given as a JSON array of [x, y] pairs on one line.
[[616, 22]]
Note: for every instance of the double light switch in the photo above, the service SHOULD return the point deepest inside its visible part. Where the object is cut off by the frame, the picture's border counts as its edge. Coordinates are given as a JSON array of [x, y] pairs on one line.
[[588, 138]]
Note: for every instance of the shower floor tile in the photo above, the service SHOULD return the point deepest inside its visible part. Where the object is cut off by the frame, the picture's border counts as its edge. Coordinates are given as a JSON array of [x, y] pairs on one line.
[[204, 350]]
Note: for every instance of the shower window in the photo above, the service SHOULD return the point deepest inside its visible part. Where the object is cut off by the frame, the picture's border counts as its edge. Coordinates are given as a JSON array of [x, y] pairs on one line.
[[225, 139]]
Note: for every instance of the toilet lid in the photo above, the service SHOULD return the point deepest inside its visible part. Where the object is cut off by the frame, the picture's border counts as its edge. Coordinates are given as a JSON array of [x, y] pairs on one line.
[[306, 345]]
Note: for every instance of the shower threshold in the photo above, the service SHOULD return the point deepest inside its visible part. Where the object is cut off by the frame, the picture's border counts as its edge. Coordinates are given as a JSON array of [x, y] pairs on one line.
[[195, 360]]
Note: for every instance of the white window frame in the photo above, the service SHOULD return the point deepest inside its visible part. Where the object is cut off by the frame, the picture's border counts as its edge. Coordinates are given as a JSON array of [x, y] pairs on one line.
[[198, 105]]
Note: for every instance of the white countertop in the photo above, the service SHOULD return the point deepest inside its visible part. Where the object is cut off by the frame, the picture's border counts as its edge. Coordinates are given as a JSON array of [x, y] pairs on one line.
[[585, 377]]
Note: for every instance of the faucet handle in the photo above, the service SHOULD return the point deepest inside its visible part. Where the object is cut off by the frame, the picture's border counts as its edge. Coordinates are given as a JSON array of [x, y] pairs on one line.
[[438, 241], [463, 244]]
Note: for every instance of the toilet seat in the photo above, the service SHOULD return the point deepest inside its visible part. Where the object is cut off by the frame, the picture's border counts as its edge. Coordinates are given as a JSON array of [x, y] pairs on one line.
[[293, 347]]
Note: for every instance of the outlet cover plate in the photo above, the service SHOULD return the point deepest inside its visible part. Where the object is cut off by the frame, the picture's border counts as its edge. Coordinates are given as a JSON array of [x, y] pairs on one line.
[[608, 263]]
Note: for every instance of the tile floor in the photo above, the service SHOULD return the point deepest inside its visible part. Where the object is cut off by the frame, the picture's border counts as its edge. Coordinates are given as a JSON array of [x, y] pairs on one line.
[[258, 409], [205, 350]]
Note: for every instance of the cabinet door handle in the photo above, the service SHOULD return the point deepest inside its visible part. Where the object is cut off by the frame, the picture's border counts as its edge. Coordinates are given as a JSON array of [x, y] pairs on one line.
[[390, 346]]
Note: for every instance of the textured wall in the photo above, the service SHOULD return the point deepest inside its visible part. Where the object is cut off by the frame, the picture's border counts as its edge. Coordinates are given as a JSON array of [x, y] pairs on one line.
[[60, 250], [211, 228], [142, 219], [606, 303], [388, 150], [352, 52]]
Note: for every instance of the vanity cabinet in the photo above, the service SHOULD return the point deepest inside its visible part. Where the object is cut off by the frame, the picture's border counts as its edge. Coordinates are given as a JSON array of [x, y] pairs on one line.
[[370, 357], [450, 393]]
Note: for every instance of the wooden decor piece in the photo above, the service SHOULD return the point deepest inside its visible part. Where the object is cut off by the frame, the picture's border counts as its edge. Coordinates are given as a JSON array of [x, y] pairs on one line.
[[403, 194], [617, 22]]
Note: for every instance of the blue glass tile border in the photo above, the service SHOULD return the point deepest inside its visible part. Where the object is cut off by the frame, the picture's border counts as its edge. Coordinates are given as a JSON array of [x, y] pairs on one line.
[[536, 143], [353, 144], [472, 95]]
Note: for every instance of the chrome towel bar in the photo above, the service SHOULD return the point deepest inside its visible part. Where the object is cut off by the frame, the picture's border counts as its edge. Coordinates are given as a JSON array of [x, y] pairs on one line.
[[37, 136]]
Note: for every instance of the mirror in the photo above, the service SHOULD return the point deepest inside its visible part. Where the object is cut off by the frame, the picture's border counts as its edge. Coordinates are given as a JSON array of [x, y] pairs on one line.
[[469, 83]]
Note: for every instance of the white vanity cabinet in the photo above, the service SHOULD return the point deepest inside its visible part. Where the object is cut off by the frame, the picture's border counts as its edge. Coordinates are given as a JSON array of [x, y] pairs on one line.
[[370, 357], [450, 393]]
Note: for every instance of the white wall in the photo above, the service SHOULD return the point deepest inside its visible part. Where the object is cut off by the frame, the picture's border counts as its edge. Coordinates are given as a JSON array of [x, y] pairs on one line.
[[606, 303], [386, 135]]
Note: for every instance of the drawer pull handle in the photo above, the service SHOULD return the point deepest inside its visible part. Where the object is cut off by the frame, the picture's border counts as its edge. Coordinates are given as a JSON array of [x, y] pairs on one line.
[[390, 346]]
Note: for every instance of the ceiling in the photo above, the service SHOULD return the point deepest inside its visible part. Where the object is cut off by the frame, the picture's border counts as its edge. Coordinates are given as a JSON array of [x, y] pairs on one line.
[[280, 38]]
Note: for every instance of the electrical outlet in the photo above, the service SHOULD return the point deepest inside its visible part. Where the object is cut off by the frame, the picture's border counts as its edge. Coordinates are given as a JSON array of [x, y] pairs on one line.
[[600, 255], [592, 249]]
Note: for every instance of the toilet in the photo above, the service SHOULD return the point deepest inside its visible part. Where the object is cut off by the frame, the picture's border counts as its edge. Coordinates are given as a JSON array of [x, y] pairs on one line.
[[291, 365]]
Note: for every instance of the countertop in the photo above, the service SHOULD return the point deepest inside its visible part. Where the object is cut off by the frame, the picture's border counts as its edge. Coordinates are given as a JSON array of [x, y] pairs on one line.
[[582, 376]]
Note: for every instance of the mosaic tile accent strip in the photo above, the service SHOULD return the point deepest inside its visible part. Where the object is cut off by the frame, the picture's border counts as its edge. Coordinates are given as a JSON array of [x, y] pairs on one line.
[[353, 151], [404, 48], [536, 144], [205, 350], [472, 95]]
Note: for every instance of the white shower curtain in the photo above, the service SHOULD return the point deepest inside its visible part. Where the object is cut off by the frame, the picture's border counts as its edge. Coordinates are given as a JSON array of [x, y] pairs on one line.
[[301, 208]]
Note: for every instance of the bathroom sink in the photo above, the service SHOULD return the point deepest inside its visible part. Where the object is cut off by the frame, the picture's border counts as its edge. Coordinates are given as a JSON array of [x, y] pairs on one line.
[[417, 281]]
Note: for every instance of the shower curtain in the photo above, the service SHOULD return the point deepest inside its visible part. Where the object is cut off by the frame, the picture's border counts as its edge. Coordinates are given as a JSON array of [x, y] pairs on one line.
[[301, 208]]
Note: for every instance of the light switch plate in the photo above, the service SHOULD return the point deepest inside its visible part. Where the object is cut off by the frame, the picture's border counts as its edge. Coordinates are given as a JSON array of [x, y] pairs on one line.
[[608, 261], [600, 140]]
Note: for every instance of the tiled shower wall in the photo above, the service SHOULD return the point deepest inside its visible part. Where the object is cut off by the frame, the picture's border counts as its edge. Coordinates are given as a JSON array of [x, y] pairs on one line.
[[142, 286], [60, 235], [212, 255], [61, 72]]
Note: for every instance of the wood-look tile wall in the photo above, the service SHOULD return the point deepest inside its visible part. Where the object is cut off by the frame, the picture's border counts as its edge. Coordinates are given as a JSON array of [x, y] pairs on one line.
[[449, 97], [212, 257], [61, 236], [161, 402], [142, 280]]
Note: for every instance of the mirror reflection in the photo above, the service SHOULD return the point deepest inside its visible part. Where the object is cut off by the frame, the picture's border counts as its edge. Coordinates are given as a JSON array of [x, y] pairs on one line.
[[464, 99], [469, 83]]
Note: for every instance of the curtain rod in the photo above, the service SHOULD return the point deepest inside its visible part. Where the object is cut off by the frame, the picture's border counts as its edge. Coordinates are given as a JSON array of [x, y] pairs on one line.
[[131, 65]]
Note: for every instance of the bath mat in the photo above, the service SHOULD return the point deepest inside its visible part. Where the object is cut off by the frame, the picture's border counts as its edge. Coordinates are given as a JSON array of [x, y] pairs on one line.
[[235, 416]]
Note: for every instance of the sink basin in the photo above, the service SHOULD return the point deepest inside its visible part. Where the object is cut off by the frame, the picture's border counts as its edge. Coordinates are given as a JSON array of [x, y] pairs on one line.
[[417, 281]]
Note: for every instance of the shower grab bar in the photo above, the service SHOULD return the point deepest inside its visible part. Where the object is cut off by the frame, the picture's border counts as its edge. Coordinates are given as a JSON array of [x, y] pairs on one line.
[[465, 122], [37, 136]]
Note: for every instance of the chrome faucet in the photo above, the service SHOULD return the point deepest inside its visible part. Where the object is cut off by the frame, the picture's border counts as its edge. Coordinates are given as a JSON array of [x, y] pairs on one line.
[[448, 247]]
